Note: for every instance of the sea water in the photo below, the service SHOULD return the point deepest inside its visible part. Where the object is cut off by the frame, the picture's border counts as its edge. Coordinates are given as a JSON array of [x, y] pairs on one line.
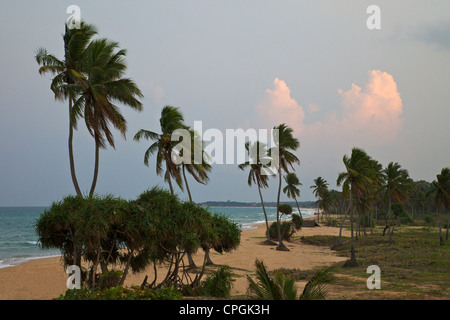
[[19, 241]]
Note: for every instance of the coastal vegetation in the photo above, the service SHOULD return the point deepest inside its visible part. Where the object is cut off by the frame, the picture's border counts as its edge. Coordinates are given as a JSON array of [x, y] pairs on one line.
[[108, 237]]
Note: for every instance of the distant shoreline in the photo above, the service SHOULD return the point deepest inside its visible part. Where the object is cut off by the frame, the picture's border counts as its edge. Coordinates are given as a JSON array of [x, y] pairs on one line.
[[238, 204]]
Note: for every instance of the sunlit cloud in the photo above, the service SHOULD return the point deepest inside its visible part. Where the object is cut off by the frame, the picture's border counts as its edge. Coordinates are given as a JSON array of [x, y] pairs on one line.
[[369, 115], [279, 107]]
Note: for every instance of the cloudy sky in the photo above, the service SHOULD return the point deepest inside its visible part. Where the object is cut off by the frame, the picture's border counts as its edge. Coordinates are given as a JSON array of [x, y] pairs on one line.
[[233, 64]]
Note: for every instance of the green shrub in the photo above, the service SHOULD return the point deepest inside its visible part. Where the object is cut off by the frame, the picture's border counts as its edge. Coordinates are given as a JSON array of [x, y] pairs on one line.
[[287, 230], [399, 211], [428, 219], [121, 293], [218, 284], [297, 221], [285, 208]]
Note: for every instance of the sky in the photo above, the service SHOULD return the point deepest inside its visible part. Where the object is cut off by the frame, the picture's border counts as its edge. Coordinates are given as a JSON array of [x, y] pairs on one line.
[[314, 65]]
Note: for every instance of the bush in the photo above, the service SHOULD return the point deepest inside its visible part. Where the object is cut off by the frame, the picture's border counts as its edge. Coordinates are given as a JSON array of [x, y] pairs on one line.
[[218, 284], [285, 208], [287, 230], [114, 236], [400, 212], [428, 219], [121, 293], [297, 221]]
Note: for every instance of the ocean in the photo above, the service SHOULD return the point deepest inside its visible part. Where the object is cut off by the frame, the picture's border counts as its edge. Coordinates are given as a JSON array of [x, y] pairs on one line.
[[19, 242]]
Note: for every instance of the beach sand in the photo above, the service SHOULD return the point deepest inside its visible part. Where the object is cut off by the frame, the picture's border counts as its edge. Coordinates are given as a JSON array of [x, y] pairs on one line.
[[44, 279]]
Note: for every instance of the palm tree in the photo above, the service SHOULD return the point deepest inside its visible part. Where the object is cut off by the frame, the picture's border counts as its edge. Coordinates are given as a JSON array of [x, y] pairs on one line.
[[320, 190], [291, 190], [102, 87], [355, 182], [395, 187], [171, 119], [199, 171], [257, 175], [285, 144], [67, 73], [440, 190]]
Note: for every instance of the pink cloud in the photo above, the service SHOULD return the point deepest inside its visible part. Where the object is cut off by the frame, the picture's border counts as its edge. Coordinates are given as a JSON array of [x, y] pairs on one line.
[[279, 107], [367, 116]]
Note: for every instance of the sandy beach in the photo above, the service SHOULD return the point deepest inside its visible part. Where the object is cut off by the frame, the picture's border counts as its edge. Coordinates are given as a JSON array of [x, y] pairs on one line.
[[44, 279]]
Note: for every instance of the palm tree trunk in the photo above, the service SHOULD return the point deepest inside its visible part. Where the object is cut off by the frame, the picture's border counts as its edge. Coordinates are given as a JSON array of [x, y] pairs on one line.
[[71, 161], [352, 262], [298, 207], [185, 181], [97, 156], [389, 225], [441, 239], [448, 225], [281, 246], [190, 260], [265, 217]]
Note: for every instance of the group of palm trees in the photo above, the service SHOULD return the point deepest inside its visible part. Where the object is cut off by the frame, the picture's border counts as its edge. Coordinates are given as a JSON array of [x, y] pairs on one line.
[[365, 181], [92, 78]]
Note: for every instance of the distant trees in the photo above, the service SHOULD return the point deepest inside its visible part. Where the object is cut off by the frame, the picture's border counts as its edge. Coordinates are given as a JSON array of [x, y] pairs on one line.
[[440, 193], [321, 192]]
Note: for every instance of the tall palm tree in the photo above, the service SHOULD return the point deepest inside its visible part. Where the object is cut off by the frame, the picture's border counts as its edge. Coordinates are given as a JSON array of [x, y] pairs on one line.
[[291, 190], [171, 119], [103, 86], [286, 143], [355, 181], [199, 171], [68, 72], [440, 190], [395, 187], [257, 175], [320, 190]]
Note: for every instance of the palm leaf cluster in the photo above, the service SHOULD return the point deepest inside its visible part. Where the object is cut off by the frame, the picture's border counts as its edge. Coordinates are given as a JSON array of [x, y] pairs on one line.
[[281, 287], [170, 160]]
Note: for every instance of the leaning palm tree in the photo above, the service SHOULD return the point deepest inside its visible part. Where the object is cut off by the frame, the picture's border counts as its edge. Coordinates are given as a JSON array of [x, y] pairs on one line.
[[257, 175], [355, 181], [286, 143], [171, 120], [103, 86], [291, 190], [320, 189], [440, 190], [68, 72], [199, 171]]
